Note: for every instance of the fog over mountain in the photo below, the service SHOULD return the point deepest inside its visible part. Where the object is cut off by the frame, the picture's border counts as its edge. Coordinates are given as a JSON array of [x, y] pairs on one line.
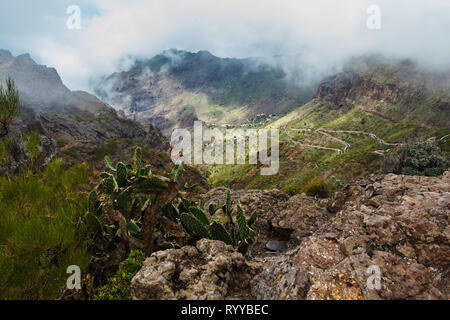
[[323, 33]]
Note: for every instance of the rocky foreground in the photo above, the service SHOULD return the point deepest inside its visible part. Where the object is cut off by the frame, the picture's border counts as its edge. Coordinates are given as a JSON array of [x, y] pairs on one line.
[[323, 248]]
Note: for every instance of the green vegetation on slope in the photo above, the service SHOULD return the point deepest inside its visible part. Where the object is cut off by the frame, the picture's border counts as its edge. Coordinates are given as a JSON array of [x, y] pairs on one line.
[[299, 164], [6, 147], [117, 286], [417, 159], [9, 106], [41, 233]]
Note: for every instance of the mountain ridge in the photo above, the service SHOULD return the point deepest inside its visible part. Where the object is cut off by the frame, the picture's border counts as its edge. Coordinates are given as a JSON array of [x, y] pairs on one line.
[[355, 118], [177, 87], [74, 125]]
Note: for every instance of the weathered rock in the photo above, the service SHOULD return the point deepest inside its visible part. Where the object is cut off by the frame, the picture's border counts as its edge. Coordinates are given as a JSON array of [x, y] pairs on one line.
[[278, 279], [301, 214], [209, 271], [405, 236]]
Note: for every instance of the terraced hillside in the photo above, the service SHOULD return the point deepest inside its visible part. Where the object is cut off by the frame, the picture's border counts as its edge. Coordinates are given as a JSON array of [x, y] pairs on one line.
[[352, 121]]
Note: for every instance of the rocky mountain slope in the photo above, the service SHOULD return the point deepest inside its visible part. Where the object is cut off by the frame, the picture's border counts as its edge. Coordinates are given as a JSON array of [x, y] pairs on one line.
[[354, 119], [397, 225], [392, 90], [75, 124], [177, 87]]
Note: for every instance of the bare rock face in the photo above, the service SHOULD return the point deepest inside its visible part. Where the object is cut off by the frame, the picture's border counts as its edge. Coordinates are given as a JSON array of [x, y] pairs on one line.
[[364, 84], [209, 271], [395, 224], [302, 214], [390, 239], [19, 154]]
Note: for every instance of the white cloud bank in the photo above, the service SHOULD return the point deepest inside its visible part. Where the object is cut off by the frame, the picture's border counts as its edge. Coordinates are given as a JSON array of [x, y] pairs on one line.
[[326, 31]]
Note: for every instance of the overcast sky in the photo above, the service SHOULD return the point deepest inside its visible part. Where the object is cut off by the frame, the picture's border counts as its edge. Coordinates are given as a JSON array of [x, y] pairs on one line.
[[326, 31]]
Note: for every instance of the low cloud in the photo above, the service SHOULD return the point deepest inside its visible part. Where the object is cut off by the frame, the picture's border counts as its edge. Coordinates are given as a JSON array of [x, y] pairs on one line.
[[322, 33]]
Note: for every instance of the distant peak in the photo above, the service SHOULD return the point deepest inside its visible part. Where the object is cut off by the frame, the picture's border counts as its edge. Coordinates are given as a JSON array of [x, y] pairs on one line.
[[174, 52], [5, 54], [24, 60], [25, 56], [204, 53]]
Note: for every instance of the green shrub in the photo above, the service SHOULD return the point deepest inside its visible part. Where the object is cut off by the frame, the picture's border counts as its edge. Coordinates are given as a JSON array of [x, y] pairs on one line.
[[40, 233], [109, 147], [418, 158], [9, 106], [61, 142], [133, 191], [292, 189], [226, 223], [6, 148], [117, 286], [34, 154], [317, 187]]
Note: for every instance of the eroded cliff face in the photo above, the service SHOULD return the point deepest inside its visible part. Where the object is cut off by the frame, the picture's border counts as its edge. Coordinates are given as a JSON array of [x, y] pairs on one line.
[[392, 91], [391, 223], [17, 154], [74, 125]]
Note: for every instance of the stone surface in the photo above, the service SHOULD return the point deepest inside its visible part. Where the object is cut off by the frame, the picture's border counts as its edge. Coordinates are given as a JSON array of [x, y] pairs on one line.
[[275, 245], [396, 225], [406, 236], [209, 271]]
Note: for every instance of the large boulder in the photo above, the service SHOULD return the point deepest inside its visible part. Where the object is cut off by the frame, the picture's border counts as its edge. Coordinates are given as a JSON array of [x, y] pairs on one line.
[[209, 271]]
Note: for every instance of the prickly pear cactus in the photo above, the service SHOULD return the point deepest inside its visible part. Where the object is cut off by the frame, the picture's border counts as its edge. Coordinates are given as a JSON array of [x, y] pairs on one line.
[[134, 190], [236, 231]]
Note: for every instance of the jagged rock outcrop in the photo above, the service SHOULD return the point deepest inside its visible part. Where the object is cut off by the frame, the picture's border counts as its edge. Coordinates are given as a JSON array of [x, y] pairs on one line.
[[391, 224], [376, 85], [397, 223], [209, 271], [18, 153]]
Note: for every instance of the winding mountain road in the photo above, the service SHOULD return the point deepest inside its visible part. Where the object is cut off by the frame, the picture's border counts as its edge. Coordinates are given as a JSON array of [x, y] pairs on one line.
[[339, 151], [326, 132]]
